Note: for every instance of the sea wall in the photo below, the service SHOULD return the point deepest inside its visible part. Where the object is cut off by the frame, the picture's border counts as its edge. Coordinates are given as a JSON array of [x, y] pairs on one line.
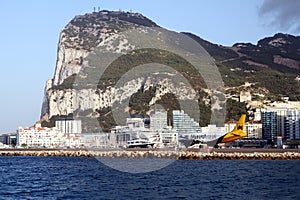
[[178, 155]]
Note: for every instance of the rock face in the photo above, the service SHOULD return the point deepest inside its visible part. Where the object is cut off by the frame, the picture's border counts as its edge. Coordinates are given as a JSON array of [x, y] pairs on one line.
[[67, 92], [80, 36], [83, 33]]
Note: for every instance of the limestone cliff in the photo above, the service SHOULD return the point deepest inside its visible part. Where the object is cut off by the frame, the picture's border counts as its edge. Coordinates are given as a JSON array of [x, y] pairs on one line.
[[67, 93], [79, 37], [77, 90]]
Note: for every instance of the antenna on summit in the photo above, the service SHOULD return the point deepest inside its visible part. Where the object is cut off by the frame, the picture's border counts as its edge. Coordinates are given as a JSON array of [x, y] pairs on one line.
[[98, 8], [94, 9]]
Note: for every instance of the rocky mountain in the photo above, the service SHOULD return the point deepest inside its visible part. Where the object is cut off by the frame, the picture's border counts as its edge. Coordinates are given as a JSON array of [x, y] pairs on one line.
[[79, 38], [272, 64], [280, 52], [270, 68]]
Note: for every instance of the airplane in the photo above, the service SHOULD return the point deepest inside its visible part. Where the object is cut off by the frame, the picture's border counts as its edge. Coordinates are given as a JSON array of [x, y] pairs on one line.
[[236, 133]]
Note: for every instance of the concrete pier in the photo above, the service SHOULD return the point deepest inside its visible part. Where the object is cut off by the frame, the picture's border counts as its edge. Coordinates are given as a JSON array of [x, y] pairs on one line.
[[167, 154]]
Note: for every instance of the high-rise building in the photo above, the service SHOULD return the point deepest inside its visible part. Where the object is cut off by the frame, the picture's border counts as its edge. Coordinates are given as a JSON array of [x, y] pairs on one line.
[[269, 125], [292, 125], [184, 124], [281, 115]]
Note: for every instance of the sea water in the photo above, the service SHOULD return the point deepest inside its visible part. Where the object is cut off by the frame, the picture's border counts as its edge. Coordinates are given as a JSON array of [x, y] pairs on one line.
[[87, 178]]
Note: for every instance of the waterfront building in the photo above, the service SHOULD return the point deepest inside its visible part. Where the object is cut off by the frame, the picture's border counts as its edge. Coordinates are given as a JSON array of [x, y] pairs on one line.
[[9, 139], [269, 125], [38, 136], [68, 126], [168, 137], [135, 122], [133, 130], [158, 120], [282, 123], [72, 140], [2, 138], [254, 129], [292, 125], [229, 126], [184, 124], [212, 132], [281, 115], [207, 133], [95, 140]]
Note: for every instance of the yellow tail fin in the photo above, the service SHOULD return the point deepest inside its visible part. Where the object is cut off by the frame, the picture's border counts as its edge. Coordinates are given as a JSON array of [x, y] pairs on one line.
[[240, 125], [237, 133]]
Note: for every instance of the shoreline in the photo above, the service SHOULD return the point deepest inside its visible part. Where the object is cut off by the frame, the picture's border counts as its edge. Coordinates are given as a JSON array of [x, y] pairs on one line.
[[189, 154]]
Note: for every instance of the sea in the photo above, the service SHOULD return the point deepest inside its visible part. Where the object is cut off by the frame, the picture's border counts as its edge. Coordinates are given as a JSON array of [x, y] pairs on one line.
[[89, 178]]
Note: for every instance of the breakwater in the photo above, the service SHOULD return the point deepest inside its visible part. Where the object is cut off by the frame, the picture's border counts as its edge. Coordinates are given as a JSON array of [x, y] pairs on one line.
[[167, 154]]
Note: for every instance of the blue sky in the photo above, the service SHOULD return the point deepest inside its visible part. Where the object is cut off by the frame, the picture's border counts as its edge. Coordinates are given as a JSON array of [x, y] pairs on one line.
[[30, 31]]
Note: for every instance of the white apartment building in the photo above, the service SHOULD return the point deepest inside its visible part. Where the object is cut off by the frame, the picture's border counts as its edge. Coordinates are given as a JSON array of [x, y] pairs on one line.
[[211, 132], [39, 136], [229, 126], [253, 129], [184, 124], [135, 123], [158, 120], [68, 126], [168, 137]]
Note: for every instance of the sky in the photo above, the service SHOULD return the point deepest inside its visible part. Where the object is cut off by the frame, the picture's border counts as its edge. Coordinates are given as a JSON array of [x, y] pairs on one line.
[[30, 31]]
